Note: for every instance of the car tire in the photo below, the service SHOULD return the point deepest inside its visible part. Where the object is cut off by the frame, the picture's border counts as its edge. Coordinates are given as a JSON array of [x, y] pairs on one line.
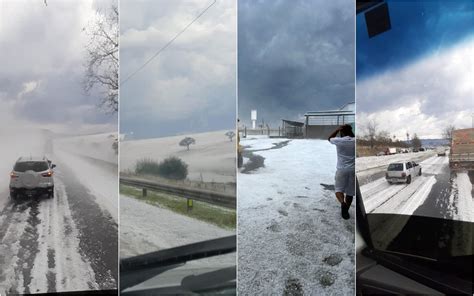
[[390, 182], [409, 180]]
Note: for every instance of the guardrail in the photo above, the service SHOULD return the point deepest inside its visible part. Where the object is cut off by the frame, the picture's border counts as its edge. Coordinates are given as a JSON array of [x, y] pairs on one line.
[[215, 198]]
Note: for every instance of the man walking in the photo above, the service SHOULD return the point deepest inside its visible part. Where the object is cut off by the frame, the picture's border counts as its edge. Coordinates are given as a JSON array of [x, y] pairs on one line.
[[345, 173]]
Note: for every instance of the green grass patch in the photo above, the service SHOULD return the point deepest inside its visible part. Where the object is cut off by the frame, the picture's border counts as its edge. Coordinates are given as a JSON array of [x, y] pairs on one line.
[[221, 217]]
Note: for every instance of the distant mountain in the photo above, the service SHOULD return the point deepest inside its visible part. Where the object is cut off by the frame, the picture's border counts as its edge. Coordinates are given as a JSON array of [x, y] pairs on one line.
[[432, 142]]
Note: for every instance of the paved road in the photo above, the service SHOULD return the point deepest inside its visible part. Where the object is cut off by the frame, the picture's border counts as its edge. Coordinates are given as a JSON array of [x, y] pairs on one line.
[[437, 193], [61, 244]]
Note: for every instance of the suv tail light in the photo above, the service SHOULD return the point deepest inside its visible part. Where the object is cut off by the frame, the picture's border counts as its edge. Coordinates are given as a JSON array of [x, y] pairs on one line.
[[404, 175], [13, 175], [47, 174]]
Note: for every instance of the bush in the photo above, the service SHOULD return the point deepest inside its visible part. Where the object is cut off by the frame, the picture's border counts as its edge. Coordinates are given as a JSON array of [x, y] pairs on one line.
[[170, 168]]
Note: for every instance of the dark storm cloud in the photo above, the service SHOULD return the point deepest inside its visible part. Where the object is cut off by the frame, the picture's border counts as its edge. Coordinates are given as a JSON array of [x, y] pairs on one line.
[[189, 87], [42, 58], [294, 56]]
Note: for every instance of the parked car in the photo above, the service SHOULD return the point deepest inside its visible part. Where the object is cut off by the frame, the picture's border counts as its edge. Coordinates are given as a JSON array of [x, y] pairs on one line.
[[402, 172], [32, 177], [381, 153]]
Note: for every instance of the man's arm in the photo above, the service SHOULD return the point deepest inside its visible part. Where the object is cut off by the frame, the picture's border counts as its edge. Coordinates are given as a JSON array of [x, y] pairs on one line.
[[334, 133]]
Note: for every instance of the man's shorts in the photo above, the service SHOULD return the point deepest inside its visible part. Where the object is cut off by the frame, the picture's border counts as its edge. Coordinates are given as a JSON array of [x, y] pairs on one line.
[[345, 182]]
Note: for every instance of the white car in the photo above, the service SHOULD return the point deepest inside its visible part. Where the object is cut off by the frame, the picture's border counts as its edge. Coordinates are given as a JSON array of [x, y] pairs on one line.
[[402, 172], [441, 151], [32, 176]]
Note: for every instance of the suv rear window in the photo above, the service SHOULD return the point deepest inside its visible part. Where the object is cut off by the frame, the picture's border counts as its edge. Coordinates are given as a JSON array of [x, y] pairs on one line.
[[395, 167], [36, 166]]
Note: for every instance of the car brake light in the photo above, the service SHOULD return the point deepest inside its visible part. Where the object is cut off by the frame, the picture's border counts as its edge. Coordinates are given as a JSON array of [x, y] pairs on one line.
[[47, 174], [404, 175], [13, 175]]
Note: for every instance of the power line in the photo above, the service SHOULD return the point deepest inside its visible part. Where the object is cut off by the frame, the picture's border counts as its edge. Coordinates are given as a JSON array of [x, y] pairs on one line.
[[166, 45]]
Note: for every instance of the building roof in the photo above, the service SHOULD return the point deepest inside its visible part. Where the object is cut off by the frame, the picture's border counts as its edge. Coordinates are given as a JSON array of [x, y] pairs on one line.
[[295, 123], [329, 113]]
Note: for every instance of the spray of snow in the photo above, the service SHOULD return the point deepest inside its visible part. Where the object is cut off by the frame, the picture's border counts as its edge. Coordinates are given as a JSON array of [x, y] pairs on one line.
[[94, 163]]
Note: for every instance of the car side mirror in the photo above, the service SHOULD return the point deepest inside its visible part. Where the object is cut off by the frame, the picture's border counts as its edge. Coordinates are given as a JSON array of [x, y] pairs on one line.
[[53, 166]]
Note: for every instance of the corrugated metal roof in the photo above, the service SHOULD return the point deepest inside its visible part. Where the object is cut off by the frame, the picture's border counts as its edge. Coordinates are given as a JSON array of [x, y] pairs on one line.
[[329, 113]]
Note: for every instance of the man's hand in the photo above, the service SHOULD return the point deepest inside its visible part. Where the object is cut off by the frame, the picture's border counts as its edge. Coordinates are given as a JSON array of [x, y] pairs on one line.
[[334, 133]]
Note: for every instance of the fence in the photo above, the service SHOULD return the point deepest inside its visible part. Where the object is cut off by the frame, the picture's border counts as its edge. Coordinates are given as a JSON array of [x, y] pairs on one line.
[[262, 132]]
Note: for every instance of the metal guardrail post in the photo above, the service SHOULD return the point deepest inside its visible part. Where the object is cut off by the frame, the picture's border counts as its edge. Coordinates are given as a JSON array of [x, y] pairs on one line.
[[190, 204]]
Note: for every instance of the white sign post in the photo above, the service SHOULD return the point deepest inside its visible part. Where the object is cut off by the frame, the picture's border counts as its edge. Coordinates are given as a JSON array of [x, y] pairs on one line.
[[253, 117]]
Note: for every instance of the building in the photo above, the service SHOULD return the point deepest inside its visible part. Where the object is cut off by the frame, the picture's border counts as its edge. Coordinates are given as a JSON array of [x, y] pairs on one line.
[[320, 124], [293, 129]]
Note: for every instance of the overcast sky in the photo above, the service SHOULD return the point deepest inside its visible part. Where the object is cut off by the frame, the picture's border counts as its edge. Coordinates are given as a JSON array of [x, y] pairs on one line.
[[41, 58], [418, 76], [294, 56], [191, 86]]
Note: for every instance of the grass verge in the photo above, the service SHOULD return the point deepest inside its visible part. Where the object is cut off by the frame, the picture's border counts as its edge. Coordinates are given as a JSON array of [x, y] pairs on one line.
[[221, 217]]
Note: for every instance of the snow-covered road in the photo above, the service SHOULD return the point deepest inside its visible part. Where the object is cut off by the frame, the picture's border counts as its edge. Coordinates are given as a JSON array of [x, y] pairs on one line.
[[291, 237], [61, 244], [437, 193]]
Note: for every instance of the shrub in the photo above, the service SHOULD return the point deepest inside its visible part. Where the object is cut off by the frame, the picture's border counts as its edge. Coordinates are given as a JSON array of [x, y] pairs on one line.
[[170, 168]]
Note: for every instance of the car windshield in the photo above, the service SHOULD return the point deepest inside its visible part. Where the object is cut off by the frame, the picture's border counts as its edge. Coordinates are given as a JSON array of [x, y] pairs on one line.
[[35, 166], [178, 153], [395, 167], [405, 76]]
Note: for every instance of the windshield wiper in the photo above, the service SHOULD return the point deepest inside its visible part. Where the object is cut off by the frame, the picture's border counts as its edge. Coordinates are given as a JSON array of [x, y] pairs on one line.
[[216, 281], [441, 274], [137, 269]]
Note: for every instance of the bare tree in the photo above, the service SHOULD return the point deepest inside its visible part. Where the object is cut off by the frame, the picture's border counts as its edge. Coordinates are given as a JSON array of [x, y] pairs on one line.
[[187, 141], [383, 137], [416, 142], [230, 135], [371, 132], [448, 132], [115, 146], [102, 61]]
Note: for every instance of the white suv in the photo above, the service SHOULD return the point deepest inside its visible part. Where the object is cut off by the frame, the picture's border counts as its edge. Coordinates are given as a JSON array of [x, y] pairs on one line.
[[402, 172], [32, 176]]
